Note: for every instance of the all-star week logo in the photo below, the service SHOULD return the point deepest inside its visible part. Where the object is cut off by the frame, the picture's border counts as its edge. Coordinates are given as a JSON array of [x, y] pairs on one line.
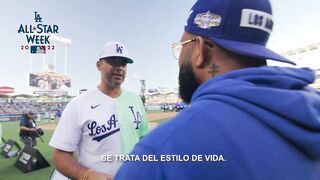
[[37, 35]]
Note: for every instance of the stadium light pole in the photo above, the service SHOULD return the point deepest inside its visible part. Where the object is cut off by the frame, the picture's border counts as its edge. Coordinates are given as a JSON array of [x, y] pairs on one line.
[[43, 62], [65, 59], [66, 42], [55, 59], [31, 63]]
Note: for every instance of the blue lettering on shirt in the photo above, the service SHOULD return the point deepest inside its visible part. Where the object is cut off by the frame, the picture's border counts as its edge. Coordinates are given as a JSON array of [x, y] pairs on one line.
[[103, 131]]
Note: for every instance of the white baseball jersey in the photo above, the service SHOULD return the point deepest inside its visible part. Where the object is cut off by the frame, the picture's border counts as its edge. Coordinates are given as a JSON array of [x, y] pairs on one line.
[[89, 127]]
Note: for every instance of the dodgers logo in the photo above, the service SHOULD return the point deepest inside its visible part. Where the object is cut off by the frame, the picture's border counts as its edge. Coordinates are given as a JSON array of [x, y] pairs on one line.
[[37, 17], [119, 48], [136, 116], [106, 130]]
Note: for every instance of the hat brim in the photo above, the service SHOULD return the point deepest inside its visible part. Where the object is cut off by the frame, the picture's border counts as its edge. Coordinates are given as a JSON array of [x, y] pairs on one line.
[[251, 50], [129, 60]]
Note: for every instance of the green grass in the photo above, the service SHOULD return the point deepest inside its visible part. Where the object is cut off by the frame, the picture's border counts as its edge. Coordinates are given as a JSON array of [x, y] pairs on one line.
[[10, 130]]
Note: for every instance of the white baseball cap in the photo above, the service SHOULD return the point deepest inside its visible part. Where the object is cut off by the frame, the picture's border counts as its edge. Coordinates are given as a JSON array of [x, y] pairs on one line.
[[115, 49]]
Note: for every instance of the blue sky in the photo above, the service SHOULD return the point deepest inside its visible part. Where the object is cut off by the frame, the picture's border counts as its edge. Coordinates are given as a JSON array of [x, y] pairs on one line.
[[147, 28]]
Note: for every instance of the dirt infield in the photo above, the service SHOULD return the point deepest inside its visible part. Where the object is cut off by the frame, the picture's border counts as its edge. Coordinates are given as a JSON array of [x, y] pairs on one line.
[[151, 117], [53, 126], [156, 116], [47, 126]]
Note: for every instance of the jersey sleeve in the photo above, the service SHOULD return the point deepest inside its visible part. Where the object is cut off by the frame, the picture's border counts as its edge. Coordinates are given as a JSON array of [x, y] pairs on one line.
[[68, 132]]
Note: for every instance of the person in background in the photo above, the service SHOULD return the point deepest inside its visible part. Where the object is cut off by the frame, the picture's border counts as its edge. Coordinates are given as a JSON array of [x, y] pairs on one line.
[[28, 129]]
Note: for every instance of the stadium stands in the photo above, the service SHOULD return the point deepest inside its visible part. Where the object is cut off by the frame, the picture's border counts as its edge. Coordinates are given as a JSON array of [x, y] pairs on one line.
[[11, 111], [37, 107]]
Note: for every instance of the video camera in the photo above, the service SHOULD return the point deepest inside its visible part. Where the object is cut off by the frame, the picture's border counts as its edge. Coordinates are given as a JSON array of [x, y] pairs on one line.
[[38, 133]]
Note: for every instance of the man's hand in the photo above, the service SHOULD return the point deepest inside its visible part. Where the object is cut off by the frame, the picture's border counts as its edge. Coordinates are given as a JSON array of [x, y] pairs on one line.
[[66, 164], [99, 176]]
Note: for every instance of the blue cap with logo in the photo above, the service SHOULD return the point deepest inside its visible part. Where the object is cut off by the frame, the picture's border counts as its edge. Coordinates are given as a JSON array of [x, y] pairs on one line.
[[240, 26]]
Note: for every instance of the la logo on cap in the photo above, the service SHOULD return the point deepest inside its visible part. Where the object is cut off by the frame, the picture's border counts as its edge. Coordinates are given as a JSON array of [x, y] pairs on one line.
[[119, 49]]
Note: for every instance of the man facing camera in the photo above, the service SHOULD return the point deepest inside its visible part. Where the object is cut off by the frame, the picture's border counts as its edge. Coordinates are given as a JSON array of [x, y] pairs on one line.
[[105, 121]]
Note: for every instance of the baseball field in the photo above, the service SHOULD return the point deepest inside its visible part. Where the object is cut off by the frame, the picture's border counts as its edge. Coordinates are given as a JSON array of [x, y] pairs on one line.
[[10, 130]]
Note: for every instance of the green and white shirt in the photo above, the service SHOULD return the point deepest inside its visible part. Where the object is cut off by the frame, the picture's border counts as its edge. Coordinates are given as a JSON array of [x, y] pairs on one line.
[[94, 124], [132, 118]]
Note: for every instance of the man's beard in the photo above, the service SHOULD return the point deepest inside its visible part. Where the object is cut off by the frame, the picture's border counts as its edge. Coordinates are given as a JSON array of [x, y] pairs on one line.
[[187, 82]]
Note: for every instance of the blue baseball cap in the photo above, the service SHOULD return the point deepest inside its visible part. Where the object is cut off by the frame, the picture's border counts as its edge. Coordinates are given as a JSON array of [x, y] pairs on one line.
[[240, 26]]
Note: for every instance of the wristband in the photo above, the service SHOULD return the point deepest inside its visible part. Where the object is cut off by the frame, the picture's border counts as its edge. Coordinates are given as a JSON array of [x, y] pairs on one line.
[[86, 174]]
